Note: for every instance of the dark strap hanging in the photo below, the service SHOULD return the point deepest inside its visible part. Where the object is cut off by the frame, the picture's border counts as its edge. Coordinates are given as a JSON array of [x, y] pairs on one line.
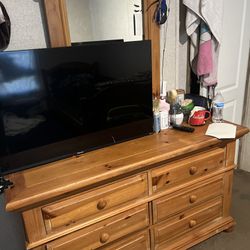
[[5, 29], [161, 13]]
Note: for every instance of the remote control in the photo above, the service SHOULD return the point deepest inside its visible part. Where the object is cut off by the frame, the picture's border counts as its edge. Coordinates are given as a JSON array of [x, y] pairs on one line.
[[183, 128]]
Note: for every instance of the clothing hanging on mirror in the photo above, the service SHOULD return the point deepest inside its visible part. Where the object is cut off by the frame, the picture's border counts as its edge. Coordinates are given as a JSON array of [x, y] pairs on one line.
[[204, 26]]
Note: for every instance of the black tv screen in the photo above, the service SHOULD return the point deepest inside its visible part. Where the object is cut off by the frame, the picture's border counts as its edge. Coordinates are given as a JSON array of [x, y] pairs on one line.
[[58, 102]]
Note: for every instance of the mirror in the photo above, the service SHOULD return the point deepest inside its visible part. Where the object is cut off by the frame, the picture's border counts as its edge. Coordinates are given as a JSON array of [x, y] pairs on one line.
[[59, 31], [97, 20]]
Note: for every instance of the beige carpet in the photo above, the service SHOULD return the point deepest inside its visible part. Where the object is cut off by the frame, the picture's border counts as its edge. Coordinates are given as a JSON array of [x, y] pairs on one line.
[[239, 239]]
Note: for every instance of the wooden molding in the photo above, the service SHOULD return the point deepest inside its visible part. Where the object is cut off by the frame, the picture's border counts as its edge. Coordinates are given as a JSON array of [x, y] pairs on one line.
[[57, 21], [152, 32], [59, 34]]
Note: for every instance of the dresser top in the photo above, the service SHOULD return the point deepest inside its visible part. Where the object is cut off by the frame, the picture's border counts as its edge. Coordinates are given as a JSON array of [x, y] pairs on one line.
[[41, 184]]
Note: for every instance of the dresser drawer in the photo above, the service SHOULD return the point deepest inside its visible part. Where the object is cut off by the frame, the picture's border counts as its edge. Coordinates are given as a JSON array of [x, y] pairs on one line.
[[172, 204], [187, 169], [138, 241], [88, 205], [105, 231], [185, 222]]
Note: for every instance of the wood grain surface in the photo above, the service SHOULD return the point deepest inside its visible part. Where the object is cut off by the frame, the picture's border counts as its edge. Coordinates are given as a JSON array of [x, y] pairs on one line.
[[39, 185]]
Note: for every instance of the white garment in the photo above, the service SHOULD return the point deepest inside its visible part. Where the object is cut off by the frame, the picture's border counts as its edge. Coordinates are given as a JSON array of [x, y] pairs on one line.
[[2, 19], [211, 12]]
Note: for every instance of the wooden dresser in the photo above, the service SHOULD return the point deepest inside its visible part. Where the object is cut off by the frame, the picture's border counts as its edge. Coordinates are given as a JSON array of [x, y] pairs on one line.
[[164, 191]]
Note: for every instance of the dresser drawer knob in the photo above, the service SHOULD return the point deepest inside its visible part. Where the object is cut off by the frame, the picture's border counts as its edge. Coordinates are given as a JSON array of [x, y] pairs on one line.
[[193, 170], [104, 237], [193, 198], [192, 223], [101, 204]]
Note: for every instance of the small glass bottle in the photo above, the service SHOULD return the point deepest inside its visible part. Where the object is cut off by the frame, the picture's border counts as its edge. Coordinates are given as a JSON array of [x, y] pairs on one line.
[[156, 112], [218, 106]]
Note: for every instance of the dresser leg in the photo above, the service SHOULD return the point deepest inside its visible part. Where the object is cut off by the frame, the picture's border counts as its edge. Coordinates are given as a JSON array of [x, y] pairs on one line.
[[230, 229]]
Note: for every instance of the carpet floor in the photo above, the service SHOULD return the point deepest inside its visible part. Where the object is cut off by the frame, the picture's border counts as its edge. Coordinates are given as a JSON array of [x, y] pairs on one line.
[[239, 239]]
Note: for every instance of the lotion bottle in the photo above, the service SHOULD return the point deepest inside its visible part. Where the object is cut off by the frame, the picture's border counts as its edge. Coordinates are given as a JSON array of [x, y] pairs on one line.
[[164, 113]]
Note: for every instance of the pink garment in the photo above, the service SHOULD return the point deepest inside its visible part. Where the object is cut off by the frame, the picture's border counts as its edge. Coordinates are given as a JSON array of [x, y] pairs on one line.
[[205, 65], [205, 59], [204, 26]]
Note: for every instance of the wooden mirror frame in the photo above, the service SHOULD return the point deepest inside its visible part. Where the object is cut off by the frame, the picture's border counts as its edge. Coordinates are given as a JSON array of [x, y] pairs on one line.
[[59, 35]]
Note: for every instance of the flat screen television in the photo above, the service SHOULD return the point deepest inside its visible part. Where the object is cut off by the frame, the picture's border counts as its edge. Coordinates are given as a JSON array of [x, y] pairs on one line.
[[60, 102]]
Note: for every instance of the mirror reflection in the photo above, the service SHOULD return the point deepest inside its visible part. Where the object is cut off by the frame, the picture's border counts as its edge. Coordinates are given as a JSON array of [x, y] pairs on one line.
[[95, 20]]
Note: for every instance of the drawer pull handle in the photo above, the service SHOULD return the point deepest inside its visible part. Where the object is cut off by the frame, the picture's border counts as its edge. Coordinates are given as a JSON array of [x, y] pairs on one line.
[[192, 223], [101, 204], [104, 237], [193, 198], [193, 170]]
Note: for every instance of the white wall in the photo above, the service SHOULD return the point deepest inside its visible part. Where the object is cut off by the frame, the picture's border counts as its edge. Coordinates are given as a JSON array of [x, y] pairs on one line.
[[174, 70], [168, 41], [95, 20], [244, 162], [27, 33], [27, 28], [79, 20]]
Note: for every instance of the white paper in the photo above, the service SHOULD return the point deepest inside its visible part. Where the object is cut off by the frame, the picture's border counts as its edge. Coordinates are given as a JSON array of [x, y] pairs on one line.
[[222, 130]]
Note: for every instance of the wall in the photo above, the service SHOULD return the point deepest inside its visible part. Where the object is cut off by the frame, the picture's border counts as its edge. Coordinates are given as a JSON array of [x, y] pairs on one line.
[[27, 32], [27, 28], [244, 161], [110, 19], [174, 41], [94, 20], [79, 20]]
